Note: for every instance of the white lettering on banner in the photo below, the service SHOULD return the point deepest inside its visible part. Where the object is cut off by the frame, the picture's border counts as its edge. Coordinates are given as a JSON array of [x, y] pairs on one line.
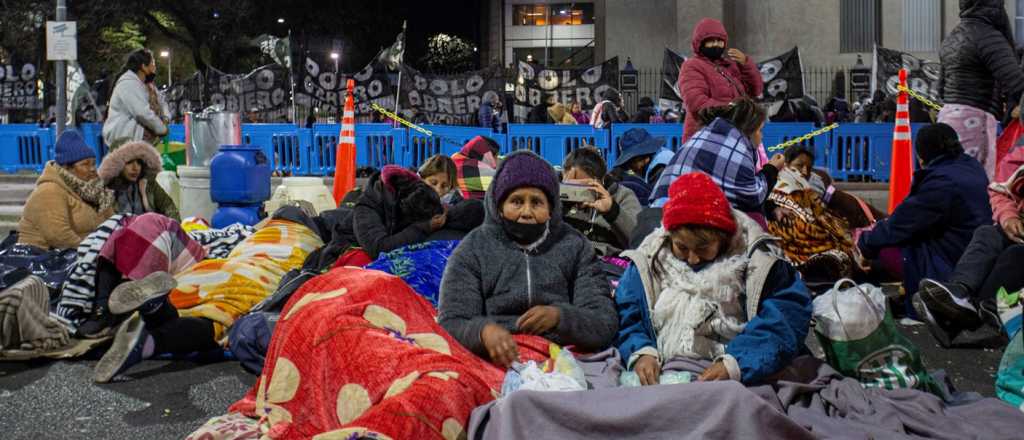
[[534, 98], [328, 80], [277, 97], [456, 88], [312, 67], [520, 93], [438, 87], [474, 83], [429, 104], [584, 98], [547, 79], [473, 102], [414, 98], [444, 105], [526, 71], [459, 105], [593, 75], [420, 82], [376, 88]]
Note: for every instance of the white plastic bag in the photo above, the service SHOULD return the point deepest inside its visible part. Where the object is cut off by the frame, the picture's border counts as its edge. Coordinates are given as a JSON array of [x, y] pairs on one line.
[[566, 375]]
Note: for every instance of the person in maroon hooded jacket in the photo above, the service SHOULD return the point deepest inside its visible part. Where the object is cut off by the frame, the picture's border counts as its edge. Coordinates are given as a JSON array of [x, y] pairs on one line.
[[716, 75]]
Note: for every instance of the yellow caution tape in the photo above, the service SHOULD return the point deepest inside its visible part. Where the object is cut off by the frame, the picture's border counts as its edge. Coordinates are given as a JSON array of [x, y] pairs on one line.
[[399, 119], [803, 138], [920, 98]]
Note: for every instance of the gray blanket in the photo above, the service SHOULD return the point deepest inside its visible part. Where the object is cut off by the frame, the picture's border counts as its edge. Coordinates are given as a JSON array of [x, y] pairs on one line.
[[809, 400]]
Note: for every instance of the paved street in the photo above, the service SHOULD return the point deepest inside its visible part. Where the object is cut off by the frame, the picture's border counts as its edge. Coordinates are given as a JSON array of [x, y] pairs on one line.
[[170, 399]]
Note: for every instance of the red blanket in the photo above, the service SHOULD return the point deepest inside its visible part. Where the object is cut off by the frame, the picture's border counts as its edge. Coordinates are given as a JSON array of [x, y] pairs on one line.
[[359, 353]]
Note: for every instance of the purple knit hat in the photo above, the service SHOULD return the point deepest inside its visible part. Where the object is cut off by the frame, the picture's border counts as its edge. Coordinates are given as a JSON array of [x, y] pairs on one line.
[[521, 170]]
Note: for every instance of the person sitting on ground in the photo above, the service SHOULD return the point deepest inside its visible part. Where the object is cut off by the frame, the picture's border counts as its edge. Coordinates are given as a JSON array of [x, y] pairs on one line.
[[638, 149], [990, 264], [130, 171], [184, 306], [525, 272], [608, 221], [948, 201], [69, 200], [726, 150], [558, 114], [609, 111], [658, 163], [710, 285], [396, 209], [475, 165], [441, 174], [816, 241]]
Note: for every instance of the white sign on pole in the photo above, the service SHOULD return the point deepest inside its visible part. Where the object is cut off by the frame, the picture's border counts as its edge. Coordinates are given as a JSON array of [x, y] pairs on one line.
[[61, 41]]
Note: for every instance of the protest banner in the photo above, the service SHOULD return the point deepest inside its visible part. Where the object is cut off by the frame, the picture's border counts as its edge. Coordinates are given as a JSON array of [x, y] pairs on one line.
[[448, 99], [783, 76], [18, 87], [534, 83], [922, 75], [671, 98]]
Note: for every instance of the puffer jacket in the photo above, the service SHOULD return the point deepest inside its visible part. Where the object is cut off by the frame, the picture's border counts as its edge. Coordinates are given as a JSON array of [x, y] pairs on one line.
[[706, 83], [55, 217], [491, 279], [979, 66], [130, 114], [152, 195]]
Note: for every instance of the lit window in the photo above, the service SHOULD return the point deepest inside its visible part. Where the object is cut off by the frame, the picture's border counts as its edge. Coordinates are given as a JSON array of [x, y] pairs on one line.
[[561, 14], [530, 15]]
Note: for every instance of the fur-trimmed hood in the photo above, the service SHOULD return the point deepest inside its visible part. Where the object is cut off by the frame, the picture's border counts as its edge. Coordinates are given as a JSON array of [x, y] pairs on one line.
[[115, 161]]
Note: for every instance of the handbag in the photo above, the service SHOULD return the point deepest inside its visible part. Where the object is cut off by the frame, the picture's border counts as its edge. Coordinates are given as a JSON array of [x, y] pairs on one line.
[[860, 339]]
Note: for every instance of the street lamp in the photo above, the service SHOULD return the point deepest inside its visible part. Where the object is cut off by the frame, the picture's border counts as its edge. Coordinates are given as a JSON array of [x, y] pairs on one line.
[[280, 21], [335, 56], [167, 54]]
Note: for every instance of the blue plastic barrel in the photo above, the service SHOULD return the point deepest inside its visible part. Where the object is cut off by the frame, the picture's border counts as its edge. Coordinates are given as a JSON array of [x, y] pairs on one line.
[[240, 174], [227, 215]]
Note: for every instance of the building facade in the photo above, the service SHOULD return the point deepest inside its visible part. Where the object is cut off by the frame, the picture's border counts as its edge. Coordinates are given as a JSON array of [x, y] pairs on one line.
[[828, 32]]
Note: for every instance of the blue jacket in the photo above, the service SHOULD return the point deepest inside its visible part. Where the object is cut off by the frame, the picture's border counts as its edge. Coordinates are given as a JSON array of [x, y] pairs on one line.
[[769, 341], [638, 185], [948, 200]]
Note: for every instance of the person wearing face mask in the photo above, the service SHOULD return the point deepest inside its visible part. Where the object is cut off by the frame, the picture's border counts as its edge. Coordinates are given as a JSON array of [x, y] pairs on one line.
[[130, 171], [130, 113], [715, 75], [69, 201], [709, 286], [525, 272]]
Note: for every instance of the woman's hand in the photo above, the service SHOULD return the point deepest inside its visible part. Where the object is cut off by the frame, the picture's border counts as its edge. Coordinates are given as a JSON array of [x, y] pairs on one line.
[[716, 371], [438, 221], [499, 344], [648, 369], [539, 320], [603, 202], [1014, 229], [737, 56], [778, 161]]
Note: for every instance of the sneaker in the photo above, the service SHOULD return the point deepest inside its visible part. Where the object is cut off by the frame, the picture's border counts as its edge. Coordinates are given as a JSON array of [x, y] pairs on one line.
[[939, 330], [133, 295], [126, 351], [947, 306]]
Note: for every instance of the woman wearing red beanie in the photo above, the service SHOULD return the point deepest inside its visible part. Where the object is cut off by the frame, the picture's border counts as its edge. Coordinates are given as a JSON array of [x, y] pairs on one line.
[[711, 287]]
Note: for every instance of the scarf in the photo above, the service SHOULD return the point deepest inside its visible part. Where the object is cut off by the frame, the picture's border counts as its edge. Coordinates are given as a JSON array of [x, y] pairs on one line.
[[93, 192]]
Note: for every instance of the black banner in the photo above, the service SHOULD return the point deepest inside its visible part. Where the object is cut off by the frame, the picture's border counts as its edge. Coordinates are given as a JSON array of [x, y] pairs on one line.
[[671, 98], [325, 90], [448, 99], [783, 76], [922, 75], [263, 91], [534, 82], [18, 87], [185, 96]]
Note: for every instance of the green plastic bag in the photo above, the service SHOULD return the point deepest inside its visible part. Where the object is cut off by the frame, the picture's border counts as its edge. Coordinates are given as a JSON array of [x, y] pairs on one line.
[[860, 339], [1010, 379]]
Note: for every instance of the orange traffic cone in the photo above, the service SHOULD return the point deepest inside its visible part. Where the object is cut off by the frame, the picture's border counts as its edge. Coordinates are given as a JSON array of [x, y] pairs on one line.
[[902, 166], [345, 157]]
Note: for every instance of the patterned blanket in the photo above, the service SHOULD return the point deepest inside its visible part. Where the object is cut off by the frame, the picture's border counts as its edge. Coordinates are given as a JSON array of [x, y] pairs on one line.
[[357, 353], [421, 266], [220, 242], [79, 291], [809, 229], [151, 243], [224, 289]]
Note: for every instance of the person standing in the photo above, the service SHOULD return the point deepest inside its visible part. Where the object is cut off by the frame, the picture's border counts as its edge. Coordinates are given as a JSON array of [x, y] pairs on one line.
[[716, 75], [130, 115], [980, 76]]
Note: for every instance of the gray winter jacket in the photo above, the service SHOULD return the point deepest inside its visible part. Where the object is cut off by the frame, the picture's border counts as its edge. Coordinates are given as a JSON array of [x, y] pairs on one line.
[[129, 113], [608, 233], [491, 279]]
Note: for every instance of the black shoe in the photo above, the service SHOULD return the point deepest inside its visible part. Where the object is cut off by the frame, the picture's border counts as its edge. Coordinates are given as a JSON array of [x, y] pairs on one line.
[[940, 330], [947, 306], [143, 295]]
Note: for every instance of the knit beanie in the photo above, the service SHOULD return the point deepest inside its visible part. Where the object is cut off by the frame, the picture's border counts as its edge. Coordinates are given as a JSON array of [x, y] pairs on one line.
[[71, 148], [523, 170], [936, 140], [694, 199]]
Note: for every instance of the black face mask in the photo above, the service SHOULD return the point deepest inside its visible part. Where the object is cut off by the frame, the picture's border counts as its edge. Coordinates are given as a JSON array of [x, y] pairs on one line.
[[700, 266], [150, 78], [713, 53], [523, 233]]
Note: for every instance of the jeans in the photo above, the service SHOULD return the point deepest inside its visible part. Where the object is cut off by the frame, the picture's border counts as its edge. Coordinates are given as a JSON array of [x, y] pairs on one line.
[[990, 262]]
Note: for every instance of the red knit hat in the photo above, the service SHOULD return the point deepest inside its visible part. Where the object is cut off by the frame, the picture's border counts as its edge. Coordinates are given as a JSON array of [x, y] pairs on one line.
[[695, 199]]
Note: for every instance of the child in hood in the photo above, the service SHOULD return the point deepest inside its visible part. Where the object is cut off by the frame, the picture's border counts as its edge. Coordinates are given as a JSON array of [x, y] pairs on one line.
[[525, 271], [710, 285], [130, 171]]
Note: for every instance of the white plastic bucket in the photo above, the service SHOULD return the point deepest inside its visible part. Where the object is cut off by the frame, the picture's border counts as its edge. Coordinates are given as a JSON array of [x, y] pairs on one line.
[[195, 192], [310, 189], [168, 180]]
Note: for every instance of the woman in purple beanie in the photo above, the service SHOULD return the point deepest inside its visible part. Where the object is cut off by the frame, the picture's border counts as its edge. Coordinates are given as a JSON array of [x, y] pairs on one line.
[[526, 272]]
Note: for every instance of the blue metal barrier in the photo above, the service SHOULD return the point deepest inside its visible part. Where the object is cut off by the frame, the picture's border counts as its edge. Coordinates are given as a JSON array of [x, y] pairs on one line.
[[672, 133], [554, 142], [851, 152]]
